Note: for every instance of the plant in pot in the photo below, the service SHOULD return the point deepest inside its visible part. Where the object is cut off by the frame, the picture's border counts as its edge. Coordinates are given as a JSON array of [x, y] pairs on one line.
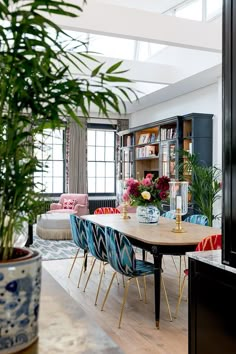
[[37, 92], [204, 186]]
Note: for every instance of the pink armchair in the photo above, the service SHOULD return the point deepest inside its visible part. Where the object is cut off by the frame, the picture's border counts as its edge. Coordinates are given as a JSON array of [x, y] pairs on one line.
[[72, 204]]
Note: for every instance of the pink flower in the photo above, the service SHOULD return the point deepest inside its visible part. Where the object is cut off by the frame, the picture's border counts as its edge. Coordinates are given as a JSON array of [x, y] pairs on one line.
[[129, 182], [125, 197], [146, 182], [149, 175]]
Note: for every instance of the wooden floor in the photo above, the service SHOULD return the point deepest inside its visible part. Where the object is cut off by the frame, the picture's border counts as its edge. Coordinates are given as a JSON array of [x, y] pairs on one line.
[[138, 333]]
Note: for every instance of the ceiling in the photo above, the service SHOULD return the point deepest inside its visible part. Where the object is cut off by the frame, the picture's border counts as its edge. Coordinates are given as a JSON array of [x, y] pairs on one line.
[[166, 55]]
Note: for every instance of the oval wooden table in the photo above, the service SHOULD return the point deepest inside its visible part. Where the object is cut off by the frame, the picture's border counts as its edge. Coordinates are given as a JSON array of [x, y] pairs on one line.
[[158, 239]]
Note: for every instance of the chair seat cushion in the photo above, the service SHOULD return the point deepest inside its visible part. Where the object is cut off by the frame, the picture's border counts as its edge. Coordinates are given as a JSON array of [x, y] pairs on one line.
[[143, 268]]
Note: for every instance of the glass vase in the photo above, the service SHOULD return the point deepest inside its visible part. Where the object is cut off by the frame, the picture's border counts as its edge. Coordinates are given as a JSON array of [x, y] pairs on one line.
[[148, 214]]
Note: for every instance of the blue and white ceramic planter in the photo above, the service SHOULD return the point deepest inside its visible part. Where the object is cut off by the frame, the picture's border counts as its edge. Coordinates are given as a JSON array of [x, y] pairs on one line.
[[148, 214], [20, 284]]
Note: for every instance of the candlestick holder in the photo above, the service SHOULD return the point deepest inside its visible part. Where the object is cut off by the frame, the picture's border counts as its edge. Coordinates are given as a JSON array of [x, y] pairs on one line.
[[178, 202], [125, 211], [178, 222]]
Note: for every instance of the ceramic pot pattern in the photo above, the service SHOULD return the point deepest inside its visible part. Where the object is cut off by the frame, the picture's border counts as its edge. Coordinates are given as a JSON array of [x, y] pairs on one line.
[[20, 285], [148, 214]]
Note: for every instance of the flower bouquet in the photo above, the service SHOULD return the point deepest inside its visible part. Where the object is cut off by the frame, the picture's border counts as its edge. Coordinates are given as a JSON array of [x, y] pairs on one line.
[[147, 191]]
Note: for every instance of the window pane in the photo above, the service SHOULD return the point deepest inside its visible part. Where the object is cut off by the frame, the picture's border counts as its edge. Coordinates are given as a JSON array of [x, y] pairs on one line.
[[214, 8], [57, 152], [57, 136], [91, 153], [38, 153], [100, 154], [100, 138], [47, 169], [100, 169], [100, 185], [38, 181], [48, 185], [110, 139], [110, 169], [109, 154], [58, 168], [110, 185], [91, 185], [91, 169], [191, 11], [57, 185], [91, 137], [47, 152], [47, 137]]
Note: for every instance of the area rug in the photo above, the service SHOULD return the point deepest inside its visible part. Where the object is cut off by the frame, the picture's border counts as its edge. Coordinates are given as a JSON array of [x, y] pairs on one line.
[[53, 249]]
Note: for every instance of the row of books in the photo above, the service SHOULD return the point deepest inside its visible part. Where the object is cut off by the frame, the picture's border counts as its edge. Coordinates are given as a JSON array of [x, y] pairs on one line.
[[145, 151], [168, 133]]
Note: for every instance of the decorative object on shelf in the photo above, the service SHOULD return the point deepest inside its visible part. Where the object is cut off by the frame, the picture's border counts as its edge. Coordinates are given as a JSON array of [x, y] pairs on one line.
[[178, 202], [205, 185], [143, 138], [148, 192]]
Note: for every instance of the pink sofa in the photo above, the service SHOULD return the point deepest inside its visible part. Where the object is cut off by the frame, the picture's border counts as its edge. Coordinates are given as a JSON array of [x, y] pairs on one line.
[[71, 204]]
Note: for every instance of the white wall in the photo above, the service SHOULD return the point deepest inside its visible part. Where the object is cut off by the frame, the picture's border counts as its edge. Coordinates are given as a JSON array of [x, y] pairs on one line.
[[206, 100]]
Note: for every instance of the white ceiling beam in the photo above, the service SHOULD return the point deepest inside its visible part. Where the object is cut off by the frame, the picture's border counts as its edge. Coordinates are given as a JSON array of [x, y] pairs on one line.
[[141, 25], [136, 71]]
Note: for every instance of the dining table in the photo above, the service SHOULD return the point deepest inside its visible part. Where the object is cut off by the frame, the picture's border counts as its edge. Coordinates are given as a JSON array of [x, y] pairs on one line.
[[158, 239]]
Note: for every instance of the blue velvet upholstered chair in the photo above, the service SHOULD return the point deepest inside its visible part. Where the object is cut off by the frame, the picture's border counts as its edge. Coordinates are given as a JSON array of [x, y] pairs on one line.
[[121, 257], [97, 247], [168, 214], [197, 219], [79, 236]]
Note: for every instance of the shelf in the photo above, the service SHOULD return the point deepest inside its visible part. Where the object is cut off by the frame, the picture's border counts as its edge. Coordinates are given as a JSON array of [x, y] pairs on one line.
[[148, 158]]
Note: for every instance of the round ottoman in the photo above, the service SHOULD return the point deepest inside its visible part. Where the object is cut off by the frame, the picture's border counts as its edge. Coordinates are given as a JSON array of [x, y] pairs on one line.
[[54, 226]]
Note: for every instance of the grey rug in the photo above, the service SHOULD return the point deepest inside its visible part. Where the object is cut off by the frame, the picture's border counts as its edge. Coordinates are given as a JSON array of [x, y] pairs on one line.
[[52, 249]]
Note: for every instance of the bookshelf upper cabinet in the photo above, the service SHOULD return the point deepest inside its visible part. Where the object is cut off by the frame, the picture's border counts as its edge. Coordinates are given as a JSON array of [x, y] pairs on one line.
[[154, 148]]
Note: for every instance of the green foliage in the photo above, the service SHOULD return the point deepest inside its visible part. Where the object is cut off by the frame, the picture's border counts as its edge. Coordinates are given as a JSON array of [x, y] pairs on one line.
[[38, 91], [205, 184]]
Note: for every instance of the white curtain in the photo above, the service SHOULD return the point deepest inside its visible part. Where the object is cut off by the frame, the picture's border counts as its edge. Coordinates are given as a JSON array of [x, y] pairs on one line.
[[78, 157]]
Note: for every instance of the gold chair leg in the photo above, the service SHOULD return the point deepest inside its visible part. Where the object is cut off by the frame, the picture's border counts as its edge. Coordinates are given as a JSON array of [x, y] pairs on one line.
[[73, 262], [108, 290], [145, 289], [116, 278], [100, 282], [177, 271], [180, 267], [139, 291], [180, 297], [166, 297], [82, 268], [123, 280], [94, 261], [124, 301]]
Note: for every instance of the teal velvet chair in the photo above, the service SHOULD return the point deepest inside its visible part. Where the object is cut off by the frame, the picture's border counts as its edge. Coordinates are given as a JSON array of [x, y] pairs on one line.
[[79, 236], [122, 259], [97, 247], [197, 219]]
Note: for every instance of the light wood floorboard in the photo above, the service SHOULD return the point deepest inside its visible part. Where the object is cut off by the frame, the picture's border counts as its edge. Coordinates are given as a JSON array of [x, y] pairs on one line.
[[138, 333]]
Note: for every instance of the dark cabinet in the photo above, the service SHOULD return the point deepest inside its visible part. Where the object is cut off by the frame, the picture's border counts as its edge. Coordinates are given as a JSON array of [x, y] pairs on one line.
[[212, 310]]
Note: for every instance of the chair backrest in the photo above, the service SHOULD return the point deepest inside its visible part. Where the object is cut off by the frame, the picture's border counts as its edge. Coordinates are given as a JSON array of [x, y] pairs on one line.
[[169, 214], [197, 219], [107, 210], [120, 253], [209, 243], [96, 241], [77, 198], [78, 230]]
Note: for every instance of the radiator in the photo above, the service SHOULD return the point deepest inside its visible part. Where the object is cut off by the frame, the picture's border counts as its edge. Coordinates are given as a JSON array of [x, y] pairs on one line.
[[95, 203]]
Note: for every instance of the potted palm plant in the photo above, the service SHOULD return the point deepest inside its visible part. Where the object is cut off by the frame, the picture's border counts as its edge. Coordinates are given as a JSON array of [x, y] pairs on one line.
[[37, 91], [205, 184]]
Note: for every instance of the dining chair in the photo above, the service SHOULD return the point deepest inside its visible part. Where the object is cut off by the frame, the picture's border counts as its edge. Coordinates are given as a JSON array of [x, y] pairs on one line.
[[97, 247], [197, 219], [79, 236], [122, 259], [107, 210], [209, 243]]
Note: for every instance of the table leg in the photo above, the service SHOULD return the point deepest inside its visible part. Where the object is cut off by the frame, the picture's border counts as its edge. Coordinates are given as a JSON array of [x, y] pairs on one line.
[[157, 286]]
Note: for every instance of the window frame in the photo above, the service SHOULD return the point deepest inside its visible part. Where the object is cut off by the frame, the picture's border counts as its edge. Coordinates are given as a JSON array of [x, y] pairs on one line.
[[112, 128]]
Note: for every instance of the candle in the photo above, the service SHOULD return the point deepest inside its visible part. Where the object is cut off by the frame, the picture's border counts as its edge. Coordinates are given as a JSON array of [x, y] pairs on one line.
[[178, 202]]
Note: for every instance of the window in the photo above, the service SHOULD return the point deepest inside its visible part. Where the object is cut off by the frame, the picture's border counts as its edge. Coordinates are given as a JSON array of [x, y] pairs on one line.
[[101, 160], [190, 11], [213, 8], [50, 151]]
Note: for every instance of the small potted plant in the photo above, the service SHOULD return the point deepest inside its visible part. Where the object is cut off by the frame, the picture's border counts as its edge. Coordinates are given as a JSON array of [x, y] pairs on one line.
[[37, 92], [148, 195]]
